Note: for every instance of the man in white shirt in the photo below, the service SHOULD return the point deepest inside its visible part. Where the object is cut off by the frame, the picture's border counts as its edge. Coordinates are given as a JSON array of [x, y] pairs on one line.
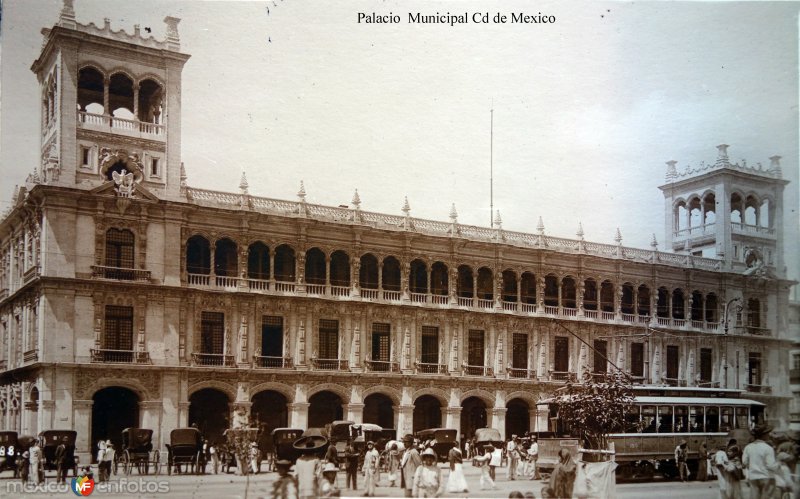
[[759, 460], [495, 461], [533, 456], [513, 458]]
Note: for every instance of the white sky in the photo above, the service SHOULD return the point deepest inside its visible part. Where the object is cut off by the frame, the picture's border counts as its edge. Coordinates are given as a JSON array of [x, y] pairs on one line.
[[586, 110]]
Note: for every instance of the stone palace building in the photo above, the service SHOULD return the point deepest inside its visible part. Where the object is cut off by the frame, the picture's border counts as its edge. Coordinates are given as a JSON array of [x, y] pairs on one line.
[[129, 298]]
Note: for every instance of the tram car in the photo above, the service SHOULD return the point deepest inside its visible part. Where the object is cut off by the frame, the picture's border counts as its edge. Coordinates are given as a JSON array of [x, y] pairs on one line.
[[282, 440], [8, 450], [137, 451], [50, 440], [441, 440], [655, 424], [185, 448], [340, 433]]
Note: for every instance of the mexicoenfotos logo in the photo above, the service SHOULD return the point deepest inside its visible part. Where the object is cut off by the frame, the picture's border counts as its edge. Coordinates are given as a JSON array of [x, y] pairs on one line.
[[82, 485]]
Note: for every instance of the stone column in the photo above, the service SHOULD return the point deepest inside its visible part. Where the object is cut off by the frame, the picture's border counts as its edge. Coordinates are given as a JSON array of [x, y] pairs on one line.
[[404, 417], [150, 417], [327, 275], [82, 423], [453, 420], [106, 110], [47, 409], [271, 264], [298, 414], [136, 102], [183, 414], [497, 419], [354, 412]]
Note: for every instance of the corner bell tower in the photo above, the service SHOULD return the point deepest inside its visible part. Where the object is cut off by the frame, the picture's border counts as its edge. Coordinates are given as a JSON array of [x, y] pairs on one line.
[[729, 211], [110, 102]]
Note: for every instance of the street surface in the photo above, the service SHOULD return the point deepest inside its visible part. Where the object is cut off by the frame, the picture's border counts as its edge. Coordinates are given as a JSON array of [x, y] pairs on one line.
[[258, 486]]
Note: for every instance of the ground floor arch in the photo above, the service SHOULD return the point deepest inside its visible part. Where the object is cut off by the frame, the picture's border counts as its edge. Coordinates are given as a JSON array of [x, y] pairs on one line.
[[270, 409], [324, 407], [379, 410], [427, 413], [113, 409], [518, 421], [473, 416], [209, 411]]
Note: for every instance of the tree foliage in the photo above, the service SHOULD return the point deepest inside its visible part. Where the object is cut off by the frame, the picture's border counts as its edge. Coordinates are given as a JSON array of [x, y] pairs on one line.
[[238, 441], [595, 407]]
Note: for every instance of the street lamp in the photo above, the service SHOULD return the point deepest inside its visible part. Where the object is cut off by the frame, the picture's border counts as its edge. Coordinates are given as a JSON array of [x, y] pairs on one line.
[[725, 320]]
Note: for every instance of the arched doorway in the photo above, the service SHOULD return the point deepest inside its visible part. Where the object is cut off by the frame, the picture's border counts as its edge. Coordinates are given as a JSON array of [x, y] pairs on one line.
[[427, 413], [209, 411], [270, 409], [473, 416], [325, 407], [518, 421], [114, 409], [378, 410]]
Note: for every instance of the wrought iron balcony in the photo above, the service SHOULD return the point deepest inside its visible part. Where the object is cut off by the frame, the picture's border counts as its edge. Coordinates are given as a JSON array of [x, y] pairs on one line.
[[430, 368], [120, 274], [759, 388], [517, 372], [330, 364], [562, 376], [109, 356], [674, 382], [212, 359], [31, 355], [382, 366], [268, 362], [478, 371]]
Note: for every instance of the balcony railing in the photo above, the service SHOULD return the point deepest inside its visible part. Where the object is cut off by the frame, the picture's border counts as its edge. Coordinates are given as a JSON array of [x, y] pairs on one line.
[[110, 356], [428, 368], [562, 376], [31, 355], [529, 308], [628, 317], [391, 295], [315, 289], [30, 274], [285, 287], [607, 316], [330, 364], [483, 303], [708, 384], [382, 366], [757, 331], [569, 312], [120, 274], [464, 302], [759, 388], [637, 380], [674, 382], [440, 299], [478, 370], [419, 298], [369, 294], [591, 314], [341, 291], [752, 229], [517, 372], [212, 359], [268, 362], [551, 310], [112, 122], [510, 306], [258, 285]]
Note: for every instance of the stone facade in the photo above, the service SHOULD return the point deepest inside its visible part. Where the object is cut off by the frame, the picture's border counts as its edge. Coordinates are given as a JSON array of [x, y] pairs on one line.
[[117, 275]]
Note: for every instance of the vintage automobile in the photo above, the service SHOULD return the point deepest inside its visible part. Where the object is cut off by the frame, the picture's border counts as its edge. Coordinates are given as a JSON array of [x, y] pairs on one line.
[[488, 436], [8, 450], [441, 440], [340, 433], [282, 439], [137, 451], [184, 448], [50, 440]]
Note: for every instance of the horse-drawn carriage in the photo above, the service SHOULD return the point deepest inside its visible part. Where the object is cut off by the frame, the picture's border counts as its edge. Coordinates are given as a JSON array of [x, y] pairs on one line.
[[441, 440], [137, 450], [185, 448], [283, 440], [50, 441]]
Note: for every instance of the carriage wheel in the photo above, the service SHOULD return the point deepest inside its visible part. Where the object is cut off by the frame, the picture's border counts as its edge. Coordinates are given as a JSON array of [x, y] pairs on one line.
[[169, 464], [125, 461], [156, 461], [197, 463]]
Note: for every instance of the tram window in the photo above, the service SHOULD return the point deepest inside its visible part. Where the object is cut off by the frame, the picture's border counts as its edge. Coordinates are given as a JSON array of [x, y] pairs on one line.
[[632, 419], [681, 419], [696, 419], [741, 418], [665, 419], [649, 418], [712, 419], [726, 419]]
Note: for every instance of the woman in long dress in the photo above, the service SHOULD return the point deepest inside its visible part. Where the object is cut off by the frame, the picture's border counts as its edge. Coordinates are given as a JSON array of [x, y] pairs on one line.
[[456, 481], [483, 461], [394, 463]]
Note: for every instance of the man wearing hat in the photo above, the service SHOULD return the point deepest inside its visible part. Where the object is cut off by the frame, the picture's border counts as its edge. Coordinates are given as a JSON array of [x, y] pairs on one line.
[[759, 460], [681, 453], [327, 484], [285, 487], [308, 466], [409, 463], [428, 477], [371, 476]]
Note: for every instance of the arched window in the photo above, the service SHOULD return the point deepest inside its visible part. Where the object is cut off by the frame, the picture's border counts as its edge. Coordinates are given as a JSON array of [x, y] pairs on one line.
[[90, 90], [258, 261], [439, 279], [315, 266], [643, 307], [465, 284], [284, 263], [751, 210], [590, 294], [391, 274], [120, 96], [368, 273], [528, 288], [418, 278], [764, 219], [662, 303], [226, 258], [119, 248], [681, 216], [485, 284], [551, 291], [712, 308], [678, 304], [737, 208], [626, 304], [753, 313], [509, 286], [710, 207], [607, 296], [697, 306], [151, 98], [568, 293], [340, 268], [198, 255], [695, 213]]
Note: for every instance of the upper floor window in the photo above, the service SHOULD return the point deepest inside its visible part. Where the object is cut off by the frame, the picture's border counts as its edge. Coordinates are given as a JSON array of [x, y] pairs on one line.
[[637, 360], [673, 361], [212, 333], [430, 345], [118, 333], [328, 339], [119, 248], [381, 342], [561, 354], [519, 351], [272, 336], [475, 353]]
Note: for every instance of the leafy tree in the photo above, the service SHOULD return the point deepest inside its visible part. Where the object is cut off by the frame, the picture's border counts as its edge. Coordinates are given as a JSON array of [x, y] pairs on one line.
[[595, 407]]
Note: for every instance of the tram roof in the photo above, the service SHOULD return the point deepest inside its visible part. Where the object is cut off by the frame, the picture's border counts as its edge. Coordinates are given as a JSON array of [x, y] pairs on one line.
[[694, 401]]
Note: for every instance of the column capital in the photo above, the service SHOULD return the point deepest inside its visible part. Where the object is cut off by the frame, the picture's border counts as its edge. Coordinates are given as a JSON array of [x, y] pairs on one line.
[[455, 411], [82, 404], [151, 404], [499, 411], [298, 405]]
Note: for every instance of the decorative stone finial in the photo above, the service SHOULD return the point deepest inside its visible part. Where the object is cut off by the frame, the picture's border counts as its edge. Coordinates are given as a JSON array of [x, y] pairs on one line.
[[687, 246], [302, 192], [243, 184], [618, 237], [498, 221], [580, 231], [654, 243], [672, 172], [67, 16], [406, 207], [775, 166], [540, 226], [183, 175], [106, 24], [453, 214], [722, 155], [173, 38], [356, 201]]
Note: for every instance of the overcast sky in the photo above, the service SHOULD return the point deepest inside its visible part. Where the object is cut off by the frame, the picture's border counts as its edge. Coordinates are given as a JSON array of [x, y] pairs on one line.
[[586, 110]]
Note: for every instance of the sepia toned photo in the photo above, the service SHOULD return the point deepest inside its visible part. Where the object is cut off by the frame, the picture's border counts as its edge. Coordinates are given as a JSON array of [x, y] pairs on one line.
[[293, 249]]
